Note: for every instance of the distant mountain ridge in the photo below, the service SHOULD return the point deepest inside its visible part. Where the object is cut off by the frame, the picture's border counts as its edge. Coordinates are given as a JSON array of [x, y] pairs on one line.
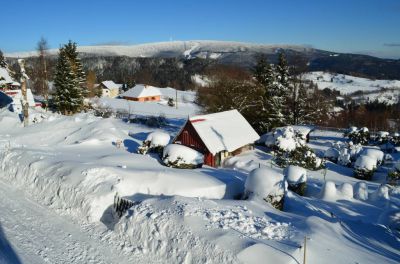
[[239, 54]]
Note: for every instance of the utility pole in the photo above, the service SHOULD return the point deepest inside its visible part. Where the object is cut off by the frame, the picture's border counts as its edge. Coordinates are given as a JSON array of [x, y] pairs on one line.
[[24, 99]]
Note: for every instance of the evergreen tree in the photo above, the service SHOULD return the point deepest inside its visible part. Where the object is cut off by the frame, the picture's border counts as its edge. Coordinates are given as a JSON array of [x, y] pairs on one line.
[[76, 65], [68, 96], [274, 96], [3, 63], [282, 71]]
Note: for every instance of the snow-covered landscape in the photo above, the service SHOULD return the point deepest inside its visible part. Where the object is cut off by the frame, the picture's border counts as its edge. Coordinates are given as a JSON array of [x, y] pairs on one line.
[[71, 168], [166, 132]]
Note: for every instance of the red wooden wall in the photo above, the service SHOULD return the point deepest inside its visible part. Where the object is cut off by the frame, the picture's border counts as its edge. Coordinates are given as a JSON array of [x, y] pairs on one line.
[[189, 137]]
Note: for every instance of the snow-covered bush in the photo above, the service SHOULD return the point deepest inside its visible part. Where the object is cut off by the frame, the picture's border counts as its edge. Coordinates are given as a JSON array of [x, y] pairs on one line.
[[291, 149], [179, 156], [361, 191], [395, 140], [297, 179], [365, 167], [344, 158], [394, 175], [155, 142], [332, 154], [328, 191], [346, 190], [382, 137], [376, 154], [358, 136], [266, 184]]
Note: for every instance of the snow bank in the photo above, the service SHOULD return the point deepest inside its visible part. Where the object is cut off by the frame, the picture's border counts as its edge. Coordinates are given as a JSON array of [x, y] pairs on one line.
[[295, 174], [181, 155], [332, 154], [346, 190], [264, 182]]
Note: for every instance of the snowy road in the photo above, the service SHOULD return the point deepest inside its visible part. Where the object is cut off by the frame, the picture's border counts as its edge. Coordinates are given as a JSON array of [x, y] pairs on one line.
[[31, 233]]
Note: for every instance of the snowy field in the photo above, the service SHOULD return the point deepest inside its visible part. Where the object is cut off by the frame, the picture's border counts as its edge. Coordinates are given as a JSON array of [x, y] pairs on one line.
[[59, 177], [347, 84], [186, 105]]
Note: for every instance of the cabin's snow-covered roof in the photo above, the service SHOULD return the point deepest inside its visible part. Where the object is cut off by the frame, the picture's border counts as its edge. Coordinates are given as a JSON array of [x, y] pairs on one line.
[[5, 76], [227, 131], [110, 85], [141, 90]]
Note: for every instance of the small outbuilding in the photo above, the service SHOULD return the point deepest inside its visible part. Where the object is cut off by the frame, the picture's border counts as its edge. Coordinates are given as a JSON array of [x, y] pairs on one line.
[[217, 136], [109, 89], [6, 81], [142, 93]]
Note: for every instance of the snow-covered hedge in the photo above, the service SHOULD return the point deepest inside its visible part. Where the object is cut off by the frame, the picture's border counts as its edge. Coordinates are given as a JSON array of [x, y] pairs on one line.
[[291, 149], [297, 179], [365, 167], [179, 156], [376, 154], [155, 142], [332, 154], [266, 184]]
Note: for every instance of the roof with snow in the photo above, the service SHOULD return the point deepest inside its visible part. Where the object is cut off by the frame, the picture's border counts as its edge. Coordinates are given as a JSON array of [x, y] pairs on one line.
[[224, 131], [141, 90], [110, 85], [5, 76]]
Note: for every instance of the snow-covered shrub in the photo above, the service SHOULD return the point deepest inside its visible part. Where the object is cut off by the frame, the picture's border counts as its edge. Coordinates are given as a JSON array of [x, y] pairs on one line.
[[179, 156], [382, 137], [297, 179], [104, 112], [332, 154], [376, 154], [394, 175], [358, 136], [365, 167], [344, 158], [361, 191], [171, 102], [266, 184], [155, 142], [354, 151], [395, 140], [291, 149]]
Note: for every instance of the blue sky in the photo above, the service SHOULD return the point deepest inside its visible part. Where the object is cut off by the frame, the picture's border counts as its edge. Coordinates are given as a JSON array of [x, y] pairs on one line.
[[361, 26]]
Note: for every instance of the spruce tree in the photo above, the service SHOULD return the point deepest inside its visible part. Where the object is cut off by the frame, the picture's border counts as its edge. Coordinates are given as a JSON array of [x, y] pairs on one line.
[[3, 63], [76, 64], [282, 71], [274, 96], [68, 95]]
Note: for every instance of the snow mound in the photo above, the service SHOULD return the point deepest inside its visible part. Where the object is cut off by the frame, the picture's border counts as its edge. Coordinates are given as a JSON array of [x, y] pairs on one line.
[[346, 191], [381, 194], [295, 174], [328, 192], [158, 138], [332, 154], [265, 181], [361, 191], [182, 154]]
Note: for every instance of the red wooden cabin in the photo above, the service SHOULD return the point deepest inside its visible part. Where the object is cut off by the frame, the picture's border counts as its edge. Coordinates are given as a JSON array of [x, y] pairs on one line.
[[217, 136]]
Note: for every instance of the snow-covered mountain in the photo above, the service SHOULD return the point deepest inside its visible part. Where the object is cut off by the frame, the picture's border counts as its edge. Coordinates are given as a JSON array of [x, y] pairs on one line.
[[188, 49]]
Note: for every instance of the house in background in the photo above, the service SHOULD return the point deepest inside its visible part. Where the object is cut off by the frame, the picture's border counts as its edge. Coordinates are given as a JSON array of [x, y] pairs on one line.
[[6, 81], [110, 89], [142, 93], [218, 136]]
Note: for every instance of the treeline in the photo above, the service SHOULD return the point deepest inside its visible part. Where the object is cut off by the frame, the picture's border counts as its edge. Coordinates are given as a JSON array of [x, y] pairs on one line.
[[268, 96]]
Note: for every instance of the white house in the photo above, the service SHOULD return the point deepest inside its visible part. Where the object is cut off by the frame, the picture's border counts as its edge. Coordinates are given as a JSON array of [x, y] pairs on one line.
[[109, 89], [6, 82]]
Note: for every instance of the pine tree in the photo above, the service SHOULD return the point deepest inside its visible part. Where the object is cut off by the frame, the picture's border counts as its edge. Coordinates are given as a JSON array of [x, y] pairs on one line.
[[68, 95]]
